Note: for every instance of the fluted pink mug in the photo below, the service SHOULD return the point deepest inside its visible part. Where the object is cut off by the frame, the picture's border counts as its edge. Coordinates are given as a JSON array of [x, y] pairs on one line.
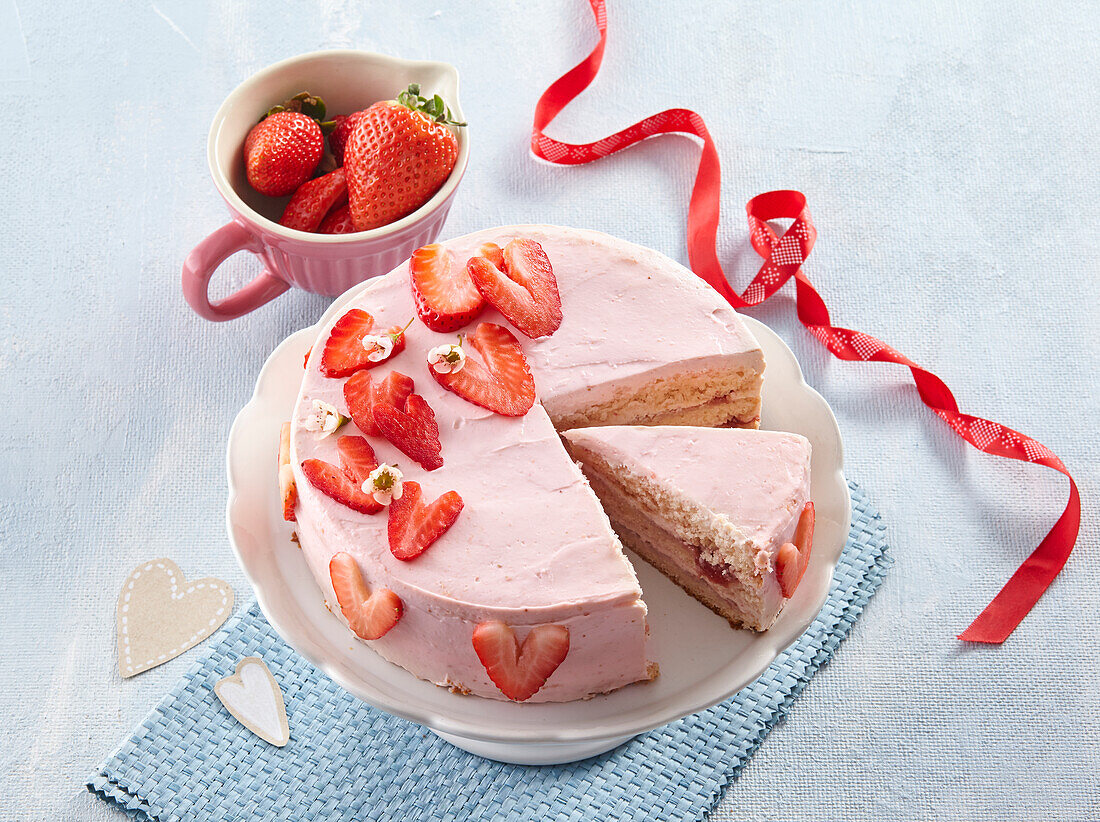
[[329, 264]]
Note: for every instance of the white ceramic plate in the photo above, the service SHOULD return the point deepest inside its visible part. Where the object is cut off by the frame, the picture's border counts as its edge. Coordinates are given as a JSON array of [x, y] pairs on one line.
[[703, 661]]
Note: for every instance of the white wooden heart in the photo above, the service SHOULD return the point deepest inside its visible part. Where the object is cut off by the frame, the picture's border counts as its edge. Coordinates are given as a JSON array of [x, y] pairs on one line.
[[160, 614], [254, 698]]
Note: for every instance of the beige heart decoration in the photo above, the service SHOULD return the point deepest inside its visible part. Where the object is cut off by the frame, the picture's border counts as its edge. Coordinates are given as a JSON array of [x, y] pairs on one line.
[[254, 698], [160, 614]]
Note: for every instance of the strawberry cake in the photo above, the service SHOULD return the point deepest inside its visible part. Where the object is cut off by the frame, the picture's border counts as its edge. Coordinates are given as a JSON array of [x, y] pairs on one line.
[[435, 503]]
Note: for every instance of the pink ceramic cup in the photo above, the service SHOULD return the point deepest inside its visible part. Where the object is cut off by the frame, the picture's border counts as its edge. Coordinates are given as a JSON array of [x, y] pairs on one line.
[[328, 264]]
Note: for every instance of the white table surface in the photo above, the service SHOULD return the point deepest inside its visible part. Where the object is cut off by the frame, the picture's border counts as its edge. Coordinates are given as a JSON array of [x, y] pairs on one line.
[[949, 153]]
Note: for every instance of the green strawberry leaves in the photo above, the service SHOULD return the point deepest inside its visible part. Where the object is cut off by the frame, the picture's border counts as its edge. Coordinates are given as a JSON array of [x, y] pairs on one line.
[[434, 108], [308, 104]]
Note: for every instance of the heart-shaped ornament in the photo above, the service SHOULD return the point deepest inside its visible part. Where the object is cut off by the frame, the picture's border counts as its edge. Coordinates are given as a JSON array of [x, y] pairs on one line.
[[254, 698], [160, 614]]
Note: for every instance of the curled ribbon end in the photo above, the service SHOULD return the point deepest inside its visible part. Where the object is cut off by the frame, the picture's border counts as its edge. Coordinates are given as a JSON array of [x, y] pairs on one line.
[[974, 636]]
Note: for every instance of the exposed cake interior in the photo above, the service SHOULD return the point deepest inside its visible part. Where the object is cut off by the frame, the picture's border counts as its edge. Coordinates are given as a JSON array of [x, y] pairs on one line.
[[729, 396], [708, 508]]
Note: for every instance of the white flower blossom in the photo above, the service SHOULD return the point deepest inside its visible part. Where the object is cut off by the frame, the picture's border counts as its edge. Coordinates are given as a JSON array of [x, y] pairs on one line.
[[384, 484], [325, 418], [447, 359], [379, 346]]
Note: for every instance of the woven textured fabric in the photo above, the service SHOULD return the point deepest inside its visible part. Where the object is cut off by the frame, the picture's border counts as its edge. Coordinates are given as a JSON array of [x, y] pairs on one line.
[[190, 759]]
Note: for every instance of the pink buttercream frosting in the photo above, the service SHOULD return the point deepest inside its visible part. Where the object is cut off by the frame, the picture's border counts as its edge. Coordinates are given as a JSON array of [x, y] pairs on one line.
[[532, 544]]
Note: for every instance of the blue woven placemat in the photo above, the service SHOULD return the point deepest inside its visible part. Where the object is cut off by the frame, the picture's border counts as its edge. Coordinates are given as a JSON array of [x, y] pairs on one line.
[[190, 760]]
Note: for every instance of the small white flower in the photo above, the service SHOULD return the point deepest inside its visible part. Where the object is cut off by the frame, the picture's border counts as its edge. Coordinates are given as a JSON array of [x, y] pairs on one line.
[[384, 484], [325, 418], [447, 359], [379, 346]]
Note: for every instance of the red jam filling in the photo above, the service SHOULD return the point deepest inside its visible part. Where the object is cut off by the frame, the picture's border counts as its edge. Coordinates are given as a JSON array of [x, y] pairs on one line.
[[718, 574]]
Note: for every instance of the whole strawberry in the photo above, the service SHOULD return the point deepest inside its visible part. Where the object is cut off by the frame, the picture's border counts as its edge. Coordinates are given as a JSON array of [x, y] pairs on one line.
[[398, 155], [341, 131], [282, 151]]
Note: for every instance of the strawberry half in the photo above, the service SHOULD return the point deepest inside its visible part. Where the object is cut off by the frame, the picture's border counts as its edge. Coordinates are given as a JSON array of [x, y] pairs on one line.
[[369, 615], [338, 221], [413, 526], [313, 200], [344, 353], [443, 292], [524, 289], [519, 671], [345, 484], [282, 151], [359, 359], [341, 131], [362, 394], [502, 384], [493, 253], [793, 558], [287, 488], [397, 157], [412, 430]]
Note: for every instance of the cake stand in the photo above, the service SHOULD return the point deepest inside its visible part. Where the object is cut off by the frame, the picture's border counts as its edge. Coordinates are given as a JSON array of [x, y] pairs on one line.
[[715, 664]]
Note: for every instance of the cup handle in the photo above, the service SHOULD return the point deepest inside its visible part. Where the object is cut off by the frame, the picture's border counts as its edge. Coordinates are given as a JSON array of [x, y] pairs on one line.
[[211, 253]]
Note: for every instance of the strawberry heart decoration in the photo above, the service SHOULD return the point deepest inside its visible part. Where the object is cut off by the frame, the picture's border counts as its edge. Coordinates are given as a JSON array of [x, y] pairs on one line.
[[520, 283], [345, 484], [413, 431], [519, 671], [362, 394], [344, 352], [413, 526], [503, 384], [793, 558], [369, 615]]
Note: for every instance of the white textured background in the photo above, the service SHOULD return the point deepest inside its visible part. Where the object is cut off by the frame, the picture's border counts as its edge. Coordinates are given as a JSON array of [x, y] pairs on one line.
[[949, 152]]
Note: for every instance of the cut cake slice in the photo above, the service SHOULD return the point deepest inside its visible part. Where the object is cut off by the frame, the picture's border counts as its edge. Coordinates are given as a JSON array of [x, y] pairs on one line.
[[708, 507]]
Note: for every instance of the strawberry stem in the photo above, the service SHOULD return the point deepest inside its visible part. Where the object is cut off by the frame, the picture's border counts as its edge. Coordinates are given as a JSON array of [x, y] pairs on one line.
[[397, 335], [433, 108], [308, 104]]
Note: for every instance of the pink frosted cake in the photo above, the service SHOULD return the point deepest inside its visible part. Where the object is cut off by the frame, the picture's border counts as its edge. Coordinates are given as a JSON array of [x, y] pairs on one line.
[[495, 570]]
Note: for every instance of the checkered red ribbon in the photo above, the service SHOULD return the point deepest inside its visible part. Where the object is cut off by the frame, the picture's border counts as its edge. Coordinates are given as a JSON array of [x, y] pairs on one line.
[[783, 259]]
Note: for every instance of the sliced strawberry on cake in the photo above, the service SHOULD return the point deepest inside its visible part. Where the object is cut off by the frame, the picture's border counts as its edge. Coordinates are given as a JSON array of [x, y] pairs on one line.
[[503, 383], [412, 430], [414, 526], [345, 483], [445, 297], [493, 253], [793, 557], [351, 347], [362, 393], [370, 614], [519, 282], [287, 489], [519, 671], [344, 353]]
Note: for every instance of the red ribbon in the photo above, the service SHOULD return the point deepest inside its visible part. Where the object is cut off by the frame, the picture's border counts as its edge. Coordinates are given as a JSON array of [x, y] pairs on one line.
[[783, 258]]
